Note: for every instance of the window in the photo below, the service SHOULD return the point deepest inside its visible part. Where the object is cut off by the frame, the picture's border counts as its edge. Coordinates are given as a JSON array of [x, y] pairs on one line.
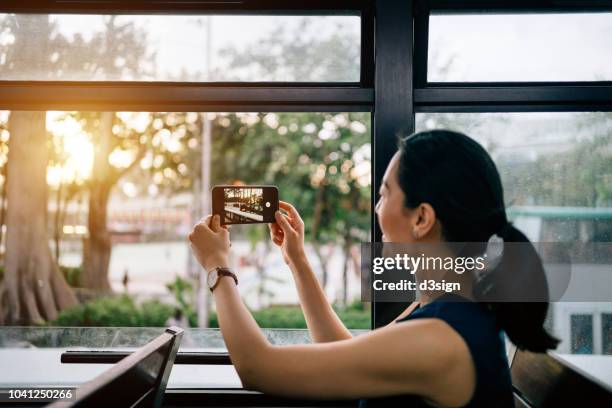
[[606, 333], [140, 108], [347, 88], [554, 167], [582, 333], [147, 84], [520, 47], [153, 164], [186, 48]]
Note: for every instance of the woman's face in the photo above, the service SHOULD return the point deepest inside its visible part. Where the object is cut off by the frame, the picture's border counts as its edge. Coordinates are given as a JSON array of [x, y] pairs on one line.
[[394, 219]]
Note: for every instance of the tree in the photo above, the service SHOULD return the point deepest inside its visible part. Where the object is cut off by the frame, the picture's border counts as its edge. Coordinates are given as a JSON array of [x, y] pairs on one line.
[[36, 289], [310, 156], [33, 289], [119, 49], [313, 159], [155, 151], [296, 54]]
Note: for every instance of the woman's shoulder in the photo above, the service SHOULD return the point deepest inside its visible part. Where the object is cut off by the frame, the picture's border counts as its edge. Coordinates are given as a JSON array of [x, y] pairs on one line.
[[476, 324]]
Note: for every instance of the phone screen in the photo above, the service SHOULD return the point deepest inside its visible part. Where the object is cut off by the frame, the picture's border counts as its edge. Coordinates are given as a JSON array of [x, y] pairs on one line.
[[245, 204]]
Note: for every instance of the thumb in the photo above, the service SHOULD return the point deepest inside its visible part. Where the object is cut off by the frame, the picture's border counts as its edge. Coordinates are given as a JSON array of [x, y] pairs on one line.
[[283, 222], [216, 223]]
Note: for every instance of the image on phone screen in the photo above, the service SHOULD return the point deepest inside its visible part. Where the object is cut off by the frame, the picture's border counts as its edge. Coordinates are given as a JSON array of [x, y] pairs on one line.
[[245, 204]]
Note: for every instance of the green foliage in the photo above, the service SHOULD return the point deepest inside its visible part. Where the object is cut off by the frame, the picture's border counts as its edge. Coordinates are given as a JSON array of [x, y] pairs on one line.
[[301, 57], [182, 290], [154, 313], [107, 311], [319, 162], [354, 319], [119, 311], [72, 275], [354, 316], [287, 317], [122, 311]]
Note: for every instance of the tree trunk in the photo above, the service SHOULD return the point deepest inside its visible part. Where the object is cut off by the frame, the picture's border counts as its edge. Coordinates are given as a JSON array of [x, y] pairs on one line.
[[317, 217], [33, 285], [97, 246], [3, 205], [348, 243], [57, 227], [323, 259]]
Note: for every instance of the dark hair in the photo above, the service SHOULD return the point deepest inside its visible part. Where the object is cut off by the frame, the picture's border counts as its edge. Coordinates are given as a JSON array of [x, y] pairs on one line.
[[457, 177]]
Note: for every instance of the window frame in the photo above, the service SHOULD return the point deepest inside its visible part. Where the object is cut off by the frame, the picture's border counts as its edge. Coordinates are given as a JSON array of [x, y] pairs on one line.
[[465, 97], [165, 96], [520, 96], [393, 76], [198, 96]]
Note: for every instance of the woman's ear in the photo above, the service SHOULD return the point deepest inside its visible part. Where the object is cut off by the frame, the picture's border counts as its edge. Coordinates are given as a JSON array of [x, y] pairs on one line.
[[424, 221]]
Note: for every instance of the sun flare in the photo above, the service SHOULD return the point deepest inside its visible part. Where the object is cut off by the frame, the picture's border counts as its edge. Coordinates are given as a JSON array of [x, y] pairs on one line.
[[76, 146]]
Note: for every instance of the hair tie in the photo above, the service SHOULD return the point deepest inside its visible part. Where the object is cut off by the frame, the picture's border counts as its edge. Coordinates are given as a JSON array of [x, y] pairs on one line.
[[493, 254]]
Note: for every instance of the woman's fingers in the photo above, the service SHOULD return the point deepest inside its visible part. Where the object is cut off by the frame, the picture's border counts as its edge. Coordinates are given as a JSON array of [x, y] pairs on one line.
[[290, 209], [283, 223], [294, 216], [276, 234], [206, 220]]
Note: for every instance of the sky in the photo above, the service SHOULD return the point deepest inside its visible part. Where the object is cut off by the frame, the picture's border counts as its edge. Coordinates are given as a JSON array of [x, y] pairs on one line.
[[511, 47]]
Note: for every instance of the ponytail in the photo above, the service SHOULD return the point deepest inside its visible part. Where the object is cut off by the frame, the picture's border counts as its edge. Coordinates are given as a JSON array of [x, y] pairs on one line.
[[519, 274]]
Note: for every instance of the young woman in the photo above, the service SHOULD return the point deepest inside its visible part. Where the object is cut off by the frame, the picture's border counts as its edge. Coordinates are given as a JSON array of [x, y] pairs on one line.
[[440, 187]]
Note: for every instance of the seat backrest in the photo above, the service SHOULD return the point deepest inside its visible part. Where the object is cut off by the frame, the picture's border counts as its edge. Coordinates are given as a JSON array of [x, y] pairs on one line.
[[138, 380], [545, 380]]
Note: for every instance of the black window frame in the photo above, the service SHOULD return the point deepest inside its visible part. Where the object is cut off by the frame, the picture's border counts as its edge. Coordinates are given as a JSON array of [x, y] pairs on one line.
[[162, 96], [393, 82], [424, 96]]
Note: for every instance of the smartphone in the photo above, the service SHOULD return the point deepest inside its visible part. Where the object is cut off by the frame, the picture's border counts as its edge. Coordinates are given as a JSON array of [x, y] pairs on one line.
[[245, 204]]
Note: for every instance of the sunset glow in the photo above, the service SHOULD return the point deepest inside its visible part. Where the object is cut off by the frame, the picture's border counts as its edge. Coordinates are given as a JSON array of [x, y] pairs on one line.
[[76, 146]]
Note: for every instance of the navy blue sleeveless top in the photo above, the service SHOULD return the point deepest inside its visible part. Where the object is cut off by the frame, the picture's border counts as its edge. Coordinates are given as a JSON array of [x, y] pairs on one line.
[[477, 327]]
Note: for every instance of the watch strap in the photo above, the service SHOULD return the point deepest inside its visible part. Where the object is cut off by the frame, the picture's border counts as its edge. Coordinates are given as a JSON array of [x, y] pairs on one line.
[[223, 271]]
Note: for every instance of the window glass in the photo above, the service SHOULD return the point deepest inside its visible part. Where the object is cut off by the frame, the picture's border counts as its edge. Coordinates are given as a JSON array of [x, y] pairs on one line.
[[556, 170], [123, 190], [179, 48], [25, 349], [520, 47], [606, 333], [582, 333]]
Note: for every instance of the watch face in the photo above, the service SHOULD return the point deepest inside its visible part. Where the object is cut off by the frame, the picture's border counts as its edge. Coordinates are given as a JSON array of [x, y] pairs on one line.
[[212, 278]]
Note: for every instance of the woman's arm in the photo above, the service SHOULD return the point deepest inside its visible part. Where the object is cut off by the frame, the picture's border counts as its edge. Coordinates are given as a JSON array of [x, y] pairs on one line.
[[322, 321], [425, 356]]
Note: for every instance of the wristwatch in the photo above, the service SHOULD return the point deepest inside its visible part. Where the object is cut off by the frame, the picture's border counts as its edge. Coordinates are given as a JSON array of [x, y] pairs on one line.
[[214, 274]]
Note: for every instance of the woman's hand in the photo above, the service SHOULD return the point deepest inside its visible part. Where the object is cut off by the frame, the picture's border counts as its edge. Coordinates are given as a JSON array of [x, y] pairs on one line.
[[210, 242], [288, 233]]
